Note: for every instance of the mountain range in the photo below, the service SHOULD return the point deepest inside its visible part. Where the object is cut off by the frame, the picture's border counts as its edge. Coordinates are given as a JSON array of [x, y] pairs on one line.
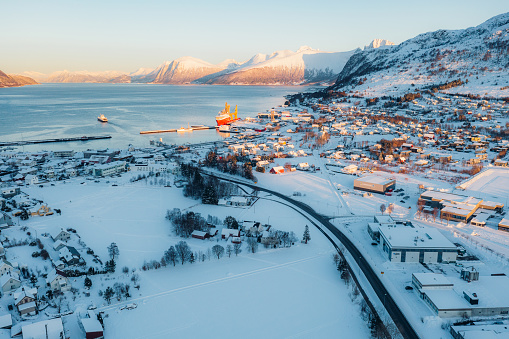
[[304, 66], [472, 60]]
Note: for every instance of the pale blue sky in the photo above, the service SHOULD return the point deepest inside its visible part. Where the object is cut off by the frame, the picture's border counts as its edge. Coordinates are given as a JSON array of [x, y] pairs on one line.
[[98, 35]]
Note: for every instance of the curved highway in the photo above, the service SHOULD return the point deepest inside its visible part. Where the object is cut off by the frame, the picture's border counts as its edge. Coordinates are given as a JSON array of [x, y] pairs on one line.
[[390, 305]]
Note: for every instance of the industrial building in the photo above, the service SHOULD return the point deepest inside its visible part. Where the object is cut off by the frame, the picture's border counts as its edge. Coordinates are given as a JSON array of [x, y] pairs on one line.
[[457, 207], [471, 296], [374, 183], [409, 244]]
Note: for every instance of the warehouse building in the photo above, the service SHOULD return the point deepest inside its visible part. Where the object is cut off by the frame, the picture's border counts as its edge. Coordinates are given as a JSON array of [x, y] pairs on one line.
[[409, 244], [454, 297], [373, 183]]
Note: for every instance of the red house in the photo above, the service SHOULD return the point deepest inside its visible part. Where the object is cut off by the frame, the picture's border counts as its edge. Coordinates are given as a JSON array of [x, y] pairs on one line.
[[277, 170]]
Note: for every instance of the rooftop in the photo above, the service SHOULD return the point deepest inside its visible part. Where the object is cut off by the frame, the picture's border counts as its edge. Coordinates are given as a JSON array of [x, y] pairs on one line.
[[430, 279], [410, 237]]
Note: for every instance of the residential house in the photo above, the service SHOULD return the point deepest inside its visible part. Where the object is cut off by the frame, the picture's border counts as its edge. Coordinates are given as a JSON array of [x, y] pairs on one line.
[[69, 255], [61, 235], [92, 327], [9, 282], [6, 267], [58, 281], [46, 329], [24, 300]]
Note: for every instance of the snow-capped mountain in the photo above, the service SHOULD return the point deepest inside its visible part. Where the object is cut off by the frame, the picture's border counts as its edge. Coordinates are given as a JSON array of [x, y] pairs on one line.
[[181, 71], [377, 43], [285, 67], [477, 56], [86, 76]]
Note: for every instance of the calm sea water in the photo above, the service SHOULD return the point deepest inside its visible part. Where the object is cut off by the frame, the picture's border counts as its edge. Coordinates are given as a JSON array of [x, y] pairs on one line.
[[71, 110]]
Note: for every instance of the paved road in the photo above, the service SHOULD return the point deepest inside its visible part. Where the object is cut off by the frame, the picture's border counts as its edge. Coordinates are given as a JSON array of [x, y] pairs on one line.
[[373, 278]]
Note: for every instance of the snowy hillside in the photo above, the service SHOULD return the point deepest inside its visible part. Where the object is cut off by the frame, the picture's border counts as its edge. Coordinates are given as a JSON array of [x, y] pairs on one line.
[[285, 67], [478, 56]]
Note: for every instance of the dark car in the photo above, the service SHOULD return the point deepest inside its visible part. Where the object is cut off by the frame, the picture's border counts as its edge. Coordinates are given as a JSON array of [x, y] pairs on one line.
[[409, 288]]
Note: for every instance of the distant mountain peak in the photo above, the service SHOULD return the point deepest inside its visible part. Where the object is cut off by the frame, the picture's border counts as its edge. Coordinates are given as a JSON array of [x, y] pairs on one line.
[[305, 49], [377, 43]]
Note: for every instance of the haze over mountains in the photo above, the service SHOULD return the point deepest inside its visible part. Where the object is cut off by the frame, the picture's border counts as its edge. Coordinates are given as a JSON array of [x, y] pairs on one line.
[[305, 66], [475, 59]]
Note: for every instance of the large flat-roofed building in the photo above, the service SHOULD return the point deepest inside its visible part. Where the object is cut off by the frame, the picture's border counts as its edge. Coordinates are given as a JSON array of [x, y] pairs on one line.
[[409, 244], [374, 183], [487, 296], [503, 225], [457, 207], [109, 168]]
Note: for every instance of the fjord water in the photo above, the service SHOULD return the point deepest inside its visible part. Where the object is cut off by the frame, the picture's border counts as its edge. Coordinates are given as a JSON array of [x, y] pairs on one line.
[[71, 110]]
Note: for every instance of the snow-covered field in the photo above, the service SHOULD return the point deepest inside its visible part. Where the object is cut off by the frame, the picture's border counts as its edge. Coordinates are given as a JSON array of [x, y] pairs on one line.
[[288, 292]]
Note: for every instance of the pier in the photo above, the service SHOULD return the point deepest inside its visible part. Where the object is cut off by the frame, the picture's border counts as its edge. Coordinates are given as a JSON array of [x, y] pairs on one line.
[[190, 129], [43, 141]]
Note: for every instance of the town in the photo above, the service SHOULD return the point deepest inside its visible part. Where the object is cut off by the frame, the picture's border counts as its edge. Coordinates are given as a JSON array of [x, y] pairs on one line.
[[422, 197]]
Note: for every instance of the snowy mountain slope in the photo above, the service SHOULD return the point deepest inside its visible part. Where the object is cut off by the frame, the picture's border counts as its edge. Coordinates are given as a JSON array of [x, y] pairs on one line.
[[478, 56], [182, 71], [306, 65]]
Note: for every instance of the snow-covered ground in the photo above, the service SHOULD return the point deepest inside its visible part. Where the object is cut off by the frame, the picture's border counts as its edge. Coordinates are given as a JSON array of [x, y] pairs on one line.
[[286, 292]]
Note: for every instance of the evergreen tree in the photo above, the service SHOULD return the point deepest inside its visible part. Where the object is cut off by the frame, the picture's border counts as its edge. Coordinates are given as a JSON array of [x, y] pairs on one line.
[[209, 196], [109, 266], [113, 251], [231, 222], [108, 294], [191, 258], [88, 282], [306, 237]]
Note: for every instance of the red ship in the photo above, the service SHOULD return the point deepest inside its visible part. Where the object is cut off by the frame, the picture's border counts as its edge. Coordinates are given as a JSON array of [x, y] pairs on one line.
[[225, 117]]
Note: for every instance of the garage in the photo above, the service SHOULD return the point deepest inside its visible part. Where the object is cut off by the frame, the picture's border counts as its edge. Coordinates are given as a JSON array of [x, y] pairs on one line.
[[430, 257]]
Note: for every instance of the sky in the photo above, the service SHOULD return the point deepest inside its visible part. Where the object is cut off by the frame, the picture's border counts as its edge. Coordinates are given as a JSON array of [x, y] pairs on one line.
[[98, 35]]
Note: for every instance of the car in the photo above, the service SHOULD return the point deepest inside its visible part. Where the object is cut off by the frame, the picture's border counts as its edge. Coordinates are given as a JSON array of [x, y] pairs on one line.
[[41, 185], [402, 201], [409, 288], [114, 185], [374, 243], [52, 184]]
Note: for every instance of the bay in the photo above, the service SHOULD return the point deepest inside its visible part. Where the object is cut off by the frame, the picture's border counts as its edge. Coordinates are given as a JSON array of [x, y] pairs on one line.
[[71, 110]]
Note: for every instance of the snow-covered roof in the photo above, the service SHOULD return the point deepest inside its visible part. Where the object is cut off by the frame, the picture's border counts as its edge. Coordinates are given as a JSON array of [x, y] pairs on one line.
[[410, 237], [432, 279], [375, 179], [43, 329], [26, 306], [504, 222], [5, 320], [91, 325]]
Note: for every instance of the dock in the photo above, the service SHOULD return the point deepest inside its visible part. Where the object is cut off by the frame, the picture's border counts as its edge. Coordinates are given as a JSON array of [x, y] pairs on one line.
[[193, 128], [44, 141]]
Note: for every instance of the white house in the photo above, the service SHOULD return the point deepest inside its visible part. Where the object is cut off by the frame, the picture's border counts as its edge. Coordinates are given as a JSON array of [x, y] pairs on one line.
[[57, 281], [61, 235], [9, 282], [31, 179]]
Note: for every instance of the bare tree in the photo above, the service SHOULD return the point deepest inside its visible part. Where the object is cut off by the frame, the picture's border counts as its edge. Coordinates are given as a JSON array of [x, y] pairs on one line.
[[229, 250], [183, 251], [218, 251], [252, 244], [237, 248], [382, 208]]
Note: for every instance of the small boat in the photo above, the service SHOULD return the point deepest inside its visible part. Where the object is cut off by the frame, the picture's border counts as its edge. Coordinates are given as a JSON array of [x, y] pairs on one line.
[[184, 130], [224, 128], [102, 118]]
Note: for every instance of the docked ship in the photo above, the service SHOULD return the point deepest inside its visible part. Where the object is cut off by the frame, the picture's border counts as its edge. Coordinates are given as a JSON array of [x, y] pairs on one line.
[[102, 118], [225, 117]]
